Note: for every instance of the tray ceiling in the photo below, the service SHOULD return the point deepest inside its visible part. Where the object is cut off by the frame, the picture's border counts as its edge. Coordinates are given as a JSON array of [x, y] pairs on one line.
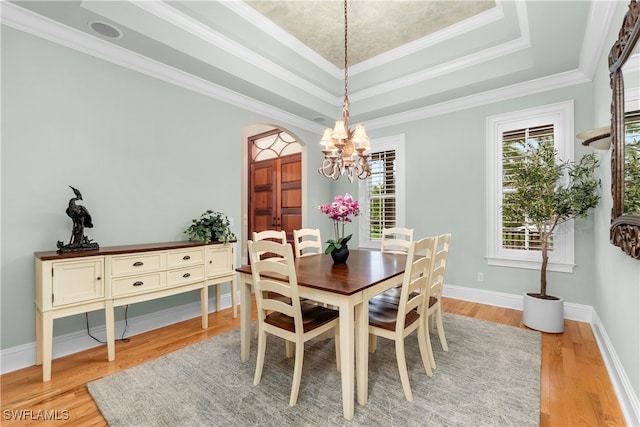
[[285, 58]]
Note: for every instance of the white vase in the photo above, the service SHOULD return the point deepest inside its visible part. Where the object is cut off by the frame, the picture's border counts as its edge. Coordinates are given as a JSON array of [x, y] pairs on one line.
[[545, 315]]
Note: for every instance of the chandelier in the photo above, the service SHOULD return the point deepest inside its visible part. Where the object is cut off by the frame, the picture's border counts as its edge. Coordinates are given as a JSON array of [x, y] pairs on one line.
[[345, 151]]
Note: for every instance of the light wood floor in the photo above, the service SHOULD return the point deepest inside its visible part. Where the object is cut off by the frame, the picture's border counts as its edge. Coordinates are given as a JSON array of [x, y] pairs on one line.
[[575, 387]]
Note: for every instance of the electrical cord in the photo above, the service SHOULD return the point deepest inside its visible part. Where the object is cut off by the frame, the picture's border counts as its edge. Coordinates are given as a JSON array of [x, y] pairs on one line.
[[126, 325]]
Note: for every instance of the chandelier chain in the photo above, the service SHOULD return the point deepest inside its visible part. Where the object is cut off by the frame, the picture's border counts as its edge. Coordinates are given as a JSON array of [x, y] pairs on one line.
[[345, 107]]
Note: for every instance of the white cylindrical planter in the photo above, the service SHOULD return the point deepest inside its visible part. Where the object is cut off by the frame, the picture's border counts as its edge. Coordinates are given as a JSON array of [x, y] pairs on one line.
[[545, 315]]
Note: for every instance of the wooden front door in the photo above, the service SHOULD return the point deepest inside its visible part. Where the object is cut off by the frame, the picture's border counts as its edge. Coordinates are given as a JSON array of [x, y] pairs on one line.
[[275, 195]]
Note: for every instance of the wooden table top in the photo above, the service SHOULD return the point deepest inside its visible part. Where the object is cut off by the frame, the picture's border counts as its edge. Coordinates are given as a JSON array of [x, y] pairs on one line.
[[363, 269], [116, 250]]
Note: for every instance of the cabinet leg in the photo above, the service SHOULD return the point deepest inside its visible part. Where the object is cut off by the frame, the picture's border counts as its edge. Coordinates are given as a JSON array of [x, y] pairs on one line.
[[47, 344], [204, 306], [234, 291], [110, 324], [38, 337], [218, 296]]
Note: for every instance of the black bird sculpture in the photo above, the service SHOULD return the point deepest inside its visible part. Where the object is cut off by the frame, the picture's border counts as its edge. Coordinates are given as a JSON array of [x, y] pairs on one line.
[[81, 218]]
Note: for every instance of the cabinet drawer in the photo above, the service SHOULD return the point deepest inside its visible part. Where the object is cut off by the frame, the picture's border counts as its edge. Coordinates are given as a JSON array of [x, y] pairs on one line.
[[185, 257], [136, 264], [185, 275], [136, 284]]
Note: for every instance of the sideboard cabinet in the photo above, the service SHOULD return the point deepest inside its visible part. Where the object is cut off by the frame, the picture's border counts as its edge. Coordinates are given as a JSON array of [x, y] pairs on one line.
[[79, 282]]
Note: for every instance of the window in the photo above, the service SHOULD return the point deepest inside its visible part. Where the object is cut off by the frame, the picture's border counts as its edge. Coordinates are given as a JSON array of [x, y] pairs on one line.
[[510, 242], [381, 196]]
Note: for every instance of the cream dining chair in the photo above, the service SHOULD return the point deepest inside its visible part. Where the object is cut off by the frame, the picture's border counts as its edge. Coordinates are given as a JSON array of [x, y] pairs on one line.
[[279, 237], [307, 241], [285, 317], [396, 319], [272, 235], [396, 240], [433, 311]]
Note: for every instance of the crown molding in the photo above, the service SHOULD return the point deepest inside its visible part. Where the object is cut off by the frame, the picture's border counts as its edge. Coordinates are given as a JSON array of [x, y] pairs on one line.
[[598, 25], [262, 23], [55, 32], [544, 84], [521, 43], [186, 23], [475, 58], [462, 27]]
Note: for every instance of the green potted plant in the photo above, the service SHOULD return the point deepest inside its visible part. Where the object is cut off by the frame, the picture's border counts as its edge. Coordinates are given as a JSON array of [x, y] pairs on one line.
[[211, 226], [548, 192]]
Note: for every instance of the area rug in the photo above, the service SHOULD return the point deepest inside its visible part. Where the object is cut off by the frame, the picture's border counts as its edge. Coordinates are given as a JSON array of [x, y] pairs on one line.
[[489, 377]]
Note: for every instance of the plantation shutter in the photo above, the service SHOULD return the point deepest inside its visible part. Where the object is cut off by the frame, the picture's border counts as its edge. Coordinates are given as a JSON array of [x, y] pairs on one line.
[[381, 193], [516, 234]]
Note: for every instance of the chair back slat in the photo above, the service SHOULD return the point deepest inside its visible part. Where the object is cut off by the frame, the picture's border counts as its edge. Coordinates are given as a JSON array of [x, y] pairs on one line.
[[269, 235], [396, 240], [307, 241], [415, 279], [439, 265]]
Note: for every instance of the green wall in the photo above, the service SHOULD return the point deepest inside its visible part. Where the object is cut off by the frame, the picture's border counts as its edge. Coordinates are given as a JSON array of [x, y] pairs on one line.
[[617, 276]]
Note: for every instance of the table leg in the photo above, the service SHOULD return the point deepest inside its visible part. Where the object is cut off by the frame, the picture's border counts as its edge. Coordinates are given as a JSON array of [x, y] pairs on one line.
[[347, 344], [362, 354], [245, 318]]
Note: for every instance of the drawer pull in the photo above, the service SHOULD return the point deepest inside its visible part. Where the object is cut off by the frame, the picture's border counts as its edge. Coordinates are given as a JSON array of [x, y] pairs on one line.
[[185, 275], [138, 263], [98, 278], [186, 257], [138, 283]]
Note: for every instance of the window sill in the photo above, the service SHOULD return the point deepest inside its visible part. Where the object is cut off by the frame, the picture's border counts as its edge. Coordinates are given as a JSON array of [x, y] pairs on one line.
[[530, 264]]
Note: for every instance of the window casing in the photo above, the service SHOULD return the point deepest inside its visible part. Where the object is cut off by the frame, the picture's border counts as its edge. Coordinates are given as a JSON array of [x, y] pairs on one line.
[[509, 242], [381, 196]]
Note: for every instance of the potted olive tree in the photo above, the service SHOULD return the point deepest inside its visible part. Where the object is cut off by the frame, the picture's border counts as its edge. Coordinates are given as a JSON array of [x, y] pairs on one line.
[[211, 226], [548, 192]]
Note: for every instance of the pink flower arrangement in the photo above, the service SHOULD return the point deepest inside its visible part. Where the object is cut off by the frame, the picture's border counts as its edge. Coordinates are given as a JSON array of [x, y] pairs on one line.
[[340, 211]]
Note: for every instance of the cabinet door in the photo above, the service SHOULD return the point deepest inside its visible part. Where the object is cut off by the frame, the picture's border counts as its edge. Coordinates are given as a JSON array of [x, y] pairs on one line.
[[77, 281], [219, 260]]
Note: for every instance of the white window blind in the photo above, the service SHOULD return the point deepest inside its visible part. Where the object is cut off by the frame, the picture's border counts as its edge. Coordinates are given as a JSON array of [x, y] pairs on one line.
[[381, 192], [516, 234], [381, 196]]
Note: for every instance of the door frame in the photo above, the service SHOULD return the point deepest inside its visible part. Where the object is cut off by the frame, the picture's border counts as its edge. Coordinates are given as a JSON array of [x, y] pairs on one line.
[[246, 133]]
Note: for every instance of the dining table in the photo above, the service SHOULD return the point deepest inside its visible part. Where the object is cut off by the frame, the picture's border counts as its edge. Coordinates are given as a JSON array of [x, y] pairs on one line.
[[348, 287]]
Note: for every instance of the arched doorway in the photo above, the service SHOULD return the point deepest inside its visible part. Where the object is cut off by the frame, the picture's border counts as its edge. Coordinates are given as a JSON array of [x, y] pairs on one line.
[[274, 182]]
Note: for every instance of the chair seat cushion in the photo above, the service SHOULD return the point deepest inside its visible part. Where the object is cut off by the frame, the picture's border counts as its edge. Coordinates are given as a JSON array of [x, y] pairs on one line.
[[383, 312], [313, 316]]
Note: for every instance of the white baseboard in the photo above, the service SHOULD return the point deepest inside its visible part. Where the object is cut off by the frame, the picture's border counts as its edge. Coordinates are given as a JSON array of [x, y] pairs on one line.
[[572, 311], [22, 356], [629, 402]]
